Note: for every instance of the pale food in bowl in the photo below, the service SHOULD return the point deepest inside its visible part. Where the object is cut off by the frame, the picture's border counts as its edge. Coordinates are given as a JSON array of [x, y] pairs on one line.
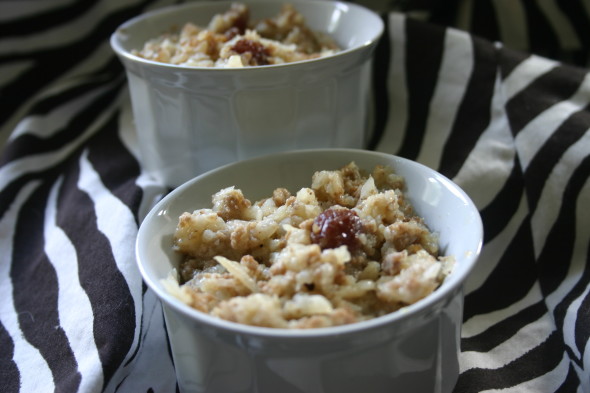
[[414, 348], [231, 39], [347, 248]]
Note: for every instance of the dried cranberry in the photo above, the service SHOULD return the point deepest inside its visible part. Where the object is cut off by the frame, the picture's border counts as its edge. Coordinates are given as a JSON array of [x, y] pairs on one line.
[[256, 49], [337, 227]]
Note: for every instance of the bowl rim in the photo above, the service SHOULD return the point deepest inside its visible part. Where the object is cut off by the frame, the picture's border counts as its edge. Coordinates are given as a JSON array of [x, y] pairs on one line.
[[421, 306], [118, 48]]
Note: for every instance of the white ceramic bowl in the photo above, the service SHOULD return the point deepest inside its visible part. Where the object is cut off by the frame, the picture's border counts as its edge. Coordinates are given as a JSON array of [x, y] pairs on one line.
[[412, 350], [190, 120]]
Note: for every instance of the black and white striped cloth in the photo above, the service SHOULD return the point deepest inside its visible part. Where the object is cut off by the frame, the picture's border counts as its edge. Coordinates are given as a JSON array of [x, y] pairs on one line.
[[509, 122]]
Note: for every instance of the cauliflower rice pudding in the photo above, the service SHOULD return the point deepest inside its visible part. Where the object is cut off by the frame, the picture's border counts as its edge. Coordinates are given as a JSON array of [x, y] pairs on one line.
[[347, 249], [232, 40]]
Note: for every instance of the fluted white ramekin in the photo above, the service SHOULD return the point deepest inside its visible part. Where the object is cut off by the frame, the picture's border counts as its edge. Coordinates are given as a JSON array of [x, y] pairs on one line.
[[190, 120], [414, 349]]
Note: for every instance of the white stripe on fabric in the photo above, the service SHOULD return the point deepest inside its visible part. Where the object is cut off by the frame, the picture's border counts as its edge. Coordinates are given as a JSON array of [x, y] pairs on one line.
[[10, 71], [76, 77], [526, 339], [45, 126], [67, 81], [525, 73], [562, 27], [396, 86], [549, 382], [30, 164], [482, 322], [492, 159], [537, 131], [494, 249], [512, 23], [569, 324], [453, 79], [120, 233], [78, 326], [92, 63], [35, 375]]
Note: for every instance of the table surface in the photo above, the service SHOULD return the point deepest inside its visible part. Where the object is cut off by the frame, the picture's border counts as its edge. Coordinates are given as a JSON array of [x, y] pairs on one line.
[[505, 121]]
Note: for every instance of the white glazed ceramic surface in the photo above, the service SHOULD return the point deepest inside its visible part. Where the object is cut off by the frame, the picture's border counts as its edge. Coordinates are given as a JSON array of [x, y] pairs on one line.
[[412, 350], [190, 120]]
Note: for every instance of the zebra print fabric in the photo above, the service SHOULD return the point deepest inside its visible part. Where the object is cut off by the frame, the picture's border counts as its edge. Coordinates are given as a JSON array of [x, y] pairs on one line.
[[509, 122]]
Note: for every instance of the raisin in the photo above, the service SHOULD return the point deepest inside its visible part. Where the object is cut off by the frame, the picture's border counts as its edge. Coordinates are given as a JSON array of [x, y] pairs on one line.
[[258, 52], [337, 227]]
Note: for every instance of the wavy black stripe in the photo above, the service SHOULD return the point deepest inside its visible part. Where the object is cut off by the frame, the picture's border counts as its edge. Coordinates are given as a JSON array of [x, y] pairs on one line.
[[380, 77], [535, 363], [141, 328], [442, 13], [112, 304], [542, 38], [484, 22], [30, 144], [140, 336], [20, 148], [577, 16], [36, 293], [548, 156], [473, 116], [46, 70], [510, 281], [556, 85], [44, 20], [498, 213], [582, 331], [9, 374], [579, 21], [571, 383], [117, 168], [140, 343], [504, 329], [555, 257], [110, 71], [422, 68], [46, 104], [9, 193]]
